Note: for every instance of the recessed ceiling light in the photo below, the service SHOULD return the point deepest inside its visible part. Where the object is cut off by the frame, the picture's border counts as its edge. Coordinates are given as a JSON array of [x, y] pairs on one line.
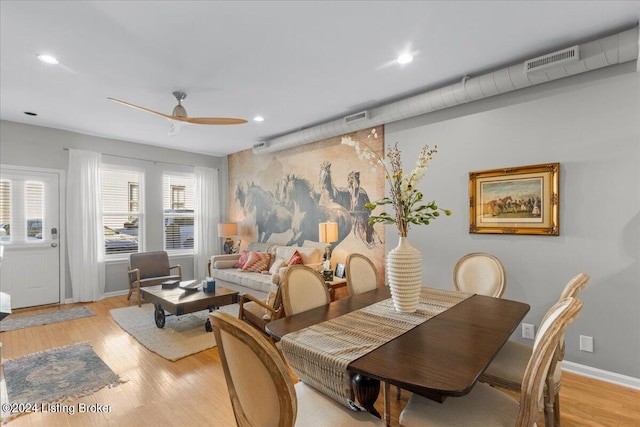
[[258, 119], [404, 58], [48, 59], [29, 113]]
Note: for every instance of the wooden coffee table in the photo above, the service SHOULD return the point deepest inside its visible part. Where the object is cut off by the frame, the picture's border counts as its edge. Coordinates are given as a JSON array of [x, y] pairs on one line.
[[178, 301]]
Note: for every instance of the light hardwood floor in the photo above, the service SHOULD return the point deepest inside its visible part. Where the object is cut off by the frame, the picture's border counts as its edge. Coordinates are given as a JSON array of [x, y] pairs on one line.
[[192, 391]]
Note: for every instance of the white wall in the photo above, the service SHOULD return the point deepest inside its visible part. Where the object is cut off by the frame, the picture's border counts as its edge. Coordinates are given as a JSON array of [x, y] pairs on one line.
[[35, 146], [593, 130]]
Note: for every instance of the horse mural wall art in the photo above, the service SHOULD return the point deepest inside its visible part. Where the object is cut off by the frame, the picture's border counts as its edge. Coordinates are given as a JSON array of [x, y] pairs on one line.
[[281, 197], [270, 216], [359, 214], [353, 198], [299, 196]]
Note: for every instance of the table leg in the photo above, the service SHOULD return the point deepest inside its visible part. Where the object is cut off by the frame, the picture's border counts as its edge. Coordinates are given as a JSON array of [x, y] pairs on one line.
[[366, 391], [386, 393]]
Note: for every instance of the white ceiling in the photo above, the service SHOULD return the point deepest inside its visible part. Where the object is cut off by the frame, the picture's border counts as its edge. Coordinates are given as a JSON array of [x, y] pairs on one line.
[[295, 63]]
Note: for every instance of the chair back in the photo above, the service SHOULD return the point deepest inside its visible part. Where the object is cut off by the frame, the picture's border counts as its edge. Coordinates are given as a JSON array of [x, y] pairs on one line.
[[575, 285], [303, 289], [479, 273], [550, 332], [261, 391], [362, 275], [150, 264]]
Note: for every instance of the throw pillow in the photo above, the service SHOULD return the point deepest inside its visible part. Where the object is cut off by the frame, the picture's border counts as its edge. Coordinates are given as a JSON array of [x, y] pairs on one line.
[[242, 260], [257, 261], [276, 265], [296, 258]]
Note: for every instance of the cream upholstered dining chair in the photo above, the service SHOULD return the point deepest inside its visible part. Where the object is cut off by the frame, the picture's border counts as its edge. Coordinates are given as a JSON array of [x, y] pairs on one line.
[[302, 289], [261, 390], [486, 405], [362, 275], [480, 273], [507, 368]]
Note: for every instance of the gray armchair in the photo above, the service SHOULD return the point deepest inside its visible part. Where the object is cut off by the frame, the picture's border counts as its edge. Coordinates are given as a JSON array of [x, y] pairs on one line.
[[149, 269]]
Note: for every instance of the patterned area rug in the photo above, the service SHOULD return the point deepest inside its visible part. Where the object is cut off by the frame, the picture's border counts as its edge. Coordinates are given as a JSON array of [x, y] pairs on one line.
[[181, 336], [54, 375], [13, 322]]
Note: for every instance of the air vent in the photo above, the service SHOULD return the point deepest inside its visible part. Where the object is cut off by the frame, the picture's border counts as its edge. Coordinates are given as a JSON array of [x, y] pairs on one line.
[[356, 117], [562, 58], [260, 146]]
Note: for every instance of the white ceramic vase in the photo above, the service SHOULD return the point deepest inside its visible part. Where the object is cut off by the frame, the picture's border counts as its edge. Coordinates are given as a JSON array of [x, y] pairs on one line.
[[404, 274]]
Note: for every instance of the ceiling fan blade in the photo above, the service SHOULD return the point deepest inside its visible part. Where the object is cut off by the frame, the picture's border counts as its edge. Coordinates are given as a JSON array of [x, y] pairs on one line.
[[192, 120], [128, 104], [212, 120]]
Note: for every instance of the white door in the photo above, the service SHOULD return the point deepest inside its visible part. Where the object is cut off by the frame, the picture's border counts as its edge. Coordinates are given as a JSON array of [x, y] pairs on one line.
[[29, 235]]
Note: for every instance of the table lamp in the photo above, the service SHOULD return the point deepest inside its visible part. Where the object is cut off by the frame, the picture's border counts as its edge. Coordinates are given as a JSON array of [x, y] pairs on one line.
[[328, 233], [227, 230]]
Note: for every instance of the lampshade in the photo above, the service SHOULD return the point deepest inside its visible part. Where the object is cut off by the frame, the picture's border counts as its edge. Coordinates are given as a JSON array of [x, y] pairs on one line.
[[328, 232], [228, 229]]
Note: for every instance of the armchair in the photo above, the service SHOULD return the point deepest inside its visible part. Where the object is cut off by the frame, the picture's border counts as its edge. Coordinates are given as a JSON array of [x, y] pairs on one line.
[[149, 269]]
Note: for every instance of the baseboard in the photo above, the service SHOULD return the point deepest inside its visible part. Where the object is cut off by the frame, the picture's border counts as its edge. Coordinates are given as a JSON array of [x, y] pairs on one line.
[[602, 375], [115, 293], [106, 295]]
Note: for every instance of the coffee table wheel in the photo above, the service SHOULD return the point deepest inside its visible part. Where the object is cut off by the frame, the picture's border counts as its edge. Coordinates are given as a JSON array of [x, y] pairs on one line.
[[159, 316], [207, 326]]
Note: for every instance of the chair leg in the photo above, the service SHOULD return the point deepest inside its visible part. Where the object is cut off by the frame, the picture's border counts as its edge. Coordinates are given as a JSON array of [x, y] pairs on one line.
[[556, 410], [549, 403], [139, 297]]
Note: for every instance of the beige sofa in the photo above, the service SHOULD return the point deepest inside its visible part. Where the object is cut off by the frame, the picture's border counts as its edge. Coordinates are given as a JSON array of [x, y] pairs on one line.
[[259, 284]]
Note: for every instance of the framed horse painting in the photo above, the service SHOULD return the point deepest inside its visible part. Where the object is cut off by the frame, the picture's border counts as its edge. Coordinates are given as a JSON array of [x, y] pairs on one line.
[[515, 200]]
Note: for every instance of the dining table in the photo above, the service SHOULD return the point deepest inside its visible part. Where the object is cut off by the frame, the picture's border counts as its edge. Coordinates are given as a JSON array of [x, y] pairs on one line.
[[438, 356]]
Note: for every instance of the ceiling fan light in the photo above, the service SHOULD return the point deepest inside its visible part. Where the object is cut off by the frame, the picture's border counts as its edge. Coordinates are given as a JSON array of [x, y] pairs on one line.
[[179, 111]]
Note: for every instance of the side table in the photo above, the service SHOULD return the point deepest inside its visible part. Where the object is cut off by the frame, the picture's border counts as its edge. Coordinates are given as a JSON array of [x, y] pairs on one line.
[[335, 284]]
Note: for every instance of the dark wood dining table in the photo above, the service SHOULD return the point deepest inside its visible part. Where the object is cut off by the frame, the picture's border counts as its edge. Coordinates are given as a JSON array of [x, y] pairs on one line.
[[442, 357]]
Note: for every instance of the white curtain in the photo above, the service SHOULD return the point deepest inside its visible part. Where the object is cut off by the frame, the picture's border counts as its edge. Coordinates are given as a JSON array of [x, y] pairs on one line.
[[85, 235], [207, 218]]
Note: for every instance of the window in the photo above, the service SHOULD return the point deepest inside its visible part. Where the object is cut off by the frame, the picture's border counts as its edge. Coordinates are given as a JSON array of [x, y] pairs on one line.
[[5, 210], [122, 215], [178, 196], [134, 197], [178, 203]]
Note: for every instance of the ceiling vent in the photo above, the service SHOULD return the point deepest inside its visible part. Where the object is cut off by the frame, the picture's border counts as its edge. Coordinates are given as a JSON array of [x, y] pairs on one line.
[[561, 58], [260, 147], [362, 115]]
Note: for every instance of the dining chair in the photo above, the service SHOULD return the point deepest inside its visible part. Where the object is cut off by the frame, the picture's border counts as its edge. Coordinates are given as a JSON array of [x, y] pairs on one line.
[[480, 273], [261, 390], [258, 312], [362, 275], [486, 405], [149, 269], [302, 289], [507, 368]]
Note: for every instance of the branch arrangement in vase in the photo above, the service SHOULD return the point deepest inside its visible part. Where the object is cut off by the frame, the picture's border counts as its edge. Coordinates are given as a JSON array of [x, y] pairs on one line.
[[405, 199]]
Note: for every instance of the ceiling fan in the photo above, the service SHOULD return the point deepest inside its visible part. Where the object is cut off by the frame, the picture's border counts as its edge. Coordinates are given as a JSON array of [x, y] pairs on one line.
[[180, 114]]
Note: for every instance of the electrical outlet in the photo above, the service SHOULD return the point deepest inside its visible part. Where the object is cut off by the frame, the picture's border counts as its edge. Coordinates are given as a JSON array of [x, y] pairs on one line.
[[586, 343], [528, 331]]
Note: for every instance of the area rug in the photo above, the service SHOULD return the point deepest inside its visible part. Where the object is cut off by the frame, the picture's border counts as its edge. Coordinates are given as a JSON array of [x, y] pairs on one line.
[[13, 322], [54, 375], [181, 336]]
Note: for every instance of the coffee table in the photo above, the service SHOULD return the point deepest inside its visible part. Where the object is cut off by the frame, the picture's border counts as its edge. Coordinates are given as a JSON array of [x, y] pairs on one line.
[[179, 301]]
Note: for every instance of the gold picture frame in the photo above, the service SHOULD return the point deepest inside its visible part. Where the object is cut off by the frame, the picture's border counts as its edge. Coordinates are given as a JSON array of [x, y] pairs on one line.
[[515, 200]]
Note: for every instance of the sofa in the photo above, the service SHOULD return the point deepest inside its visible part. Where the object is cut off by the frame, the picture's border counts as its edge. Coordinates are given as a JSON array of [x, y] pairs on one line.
[[223, 268]]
